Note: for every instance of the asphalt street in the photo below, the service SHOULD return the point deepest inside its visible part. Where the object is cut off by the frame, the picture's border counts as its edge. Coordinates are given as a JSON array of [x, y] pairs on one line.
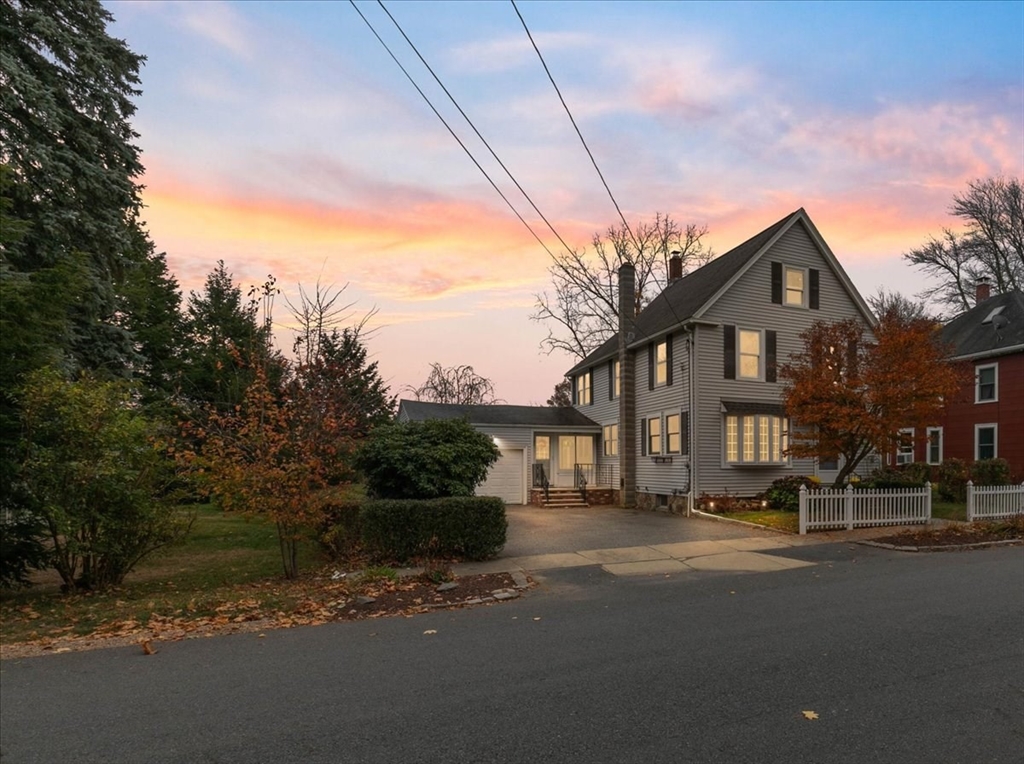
[[901, 657]]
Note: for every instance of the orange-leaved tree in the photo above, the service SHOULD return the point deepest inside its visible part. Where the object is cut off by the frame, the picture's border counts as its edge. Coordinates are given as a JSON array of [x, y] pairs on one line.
[[849, 393], [273, 454]]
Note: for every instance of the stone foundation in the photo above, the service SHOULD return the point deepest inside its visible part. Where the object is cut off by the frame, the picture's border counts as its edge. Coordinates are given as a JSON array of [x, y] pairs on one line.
[[649, 501], [602, 497]]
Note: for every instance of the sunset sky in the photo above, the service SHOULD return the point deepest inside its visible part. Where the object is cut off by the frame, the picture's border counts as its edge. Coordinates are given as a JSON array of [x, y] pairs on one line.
[[282, 138]]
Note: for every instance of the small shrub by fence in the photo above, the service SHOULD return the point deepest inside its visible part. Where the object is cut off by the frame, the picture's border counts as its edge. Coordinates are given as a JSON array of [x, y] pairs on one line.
[[992, 502], [850, 508]]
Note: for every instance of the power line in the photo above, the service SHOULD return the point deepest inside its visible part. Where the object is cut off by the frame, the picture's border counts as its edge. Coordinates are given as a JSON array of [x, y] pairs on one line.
[[450, 130], [470, 122], [571, 119]]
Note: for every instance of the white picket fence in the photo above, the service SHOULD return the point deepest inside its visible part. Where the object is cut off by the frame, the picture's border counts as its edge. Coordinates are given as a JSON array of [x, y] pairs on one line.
[[849, 508], [991, 502]]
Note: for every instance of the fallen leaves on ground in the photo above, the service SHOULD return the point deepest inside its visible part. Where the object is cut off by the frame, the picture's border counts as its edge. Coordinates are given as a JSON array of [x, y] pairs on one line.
[[958, 534], [809, 715], [308, 601]]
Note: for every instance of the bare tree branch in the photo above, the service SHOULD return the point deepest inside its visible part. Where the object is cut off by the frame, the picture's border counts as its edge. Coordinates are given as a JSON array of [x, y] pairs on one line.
[[582, 308]]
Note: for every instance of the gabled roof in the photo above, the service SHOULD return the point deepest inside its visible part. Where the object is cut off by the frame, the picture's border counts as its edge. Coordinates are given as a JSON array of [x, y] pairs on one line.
[[972, 337], [691, 296], [513, 416]]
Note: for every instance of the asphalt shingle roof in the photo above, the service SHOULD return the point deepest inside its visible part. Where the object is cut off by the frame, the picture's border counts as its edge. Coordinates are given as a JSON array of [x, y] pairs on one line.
[[679, 301], [969, 336], [499, 414]]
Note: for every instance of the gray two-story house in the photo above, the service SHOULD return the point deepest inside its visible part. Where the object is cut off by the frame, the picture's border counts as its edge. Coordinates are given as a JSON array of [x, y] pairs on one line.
[[687, 394]]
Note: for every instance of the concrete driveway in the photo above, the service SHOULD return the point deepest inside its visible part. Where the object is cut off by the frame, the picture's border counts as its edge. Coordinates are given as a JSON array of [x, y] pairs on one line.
[[629, 542]]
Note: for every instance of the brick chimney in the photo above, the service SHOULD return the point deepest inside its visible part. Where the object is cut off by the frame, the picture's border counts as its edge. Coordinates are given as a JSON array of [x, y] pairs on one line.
[[627, 385], [982, 289], [675, 268]]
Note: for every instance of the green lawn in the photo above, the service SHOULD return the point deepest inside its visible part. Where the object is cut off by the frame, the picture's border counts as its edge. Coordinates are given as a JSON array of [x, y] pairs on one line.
[[227, 556], [770, 518]]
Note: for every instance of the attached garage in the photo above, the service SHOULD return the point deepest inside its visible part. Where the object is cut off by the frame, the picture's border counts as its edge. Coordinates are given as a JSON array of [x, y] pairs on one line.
[[507, 477]]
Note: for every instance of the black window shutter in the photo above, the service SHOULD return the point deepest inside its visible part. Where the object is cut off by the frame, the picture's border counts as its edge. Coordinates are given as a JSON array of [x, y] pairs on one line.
[[777, 283], [770, 373], [590, 386], [668, 360], [572, 384], [730, 351], [815, 287], [611, 379], [684, 432], [650, 366], [643, 437]]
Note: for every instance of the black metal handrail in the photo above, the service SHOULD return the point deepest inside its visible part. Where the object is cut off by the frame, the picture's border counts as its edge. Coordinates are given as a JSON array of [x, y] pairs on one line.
[[580, 479], [540, 479], [595, 474]]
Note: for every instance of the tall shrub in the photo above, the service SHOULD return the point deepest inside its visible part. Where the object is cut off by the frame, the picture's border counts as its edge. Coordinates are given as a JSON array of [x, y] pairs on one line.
[[425, 460]]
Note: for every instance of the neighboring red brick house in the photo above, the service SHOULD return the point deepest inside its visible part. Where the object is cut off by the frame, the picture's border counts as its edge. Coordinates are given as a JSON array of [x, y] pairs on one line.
[[987, 420]]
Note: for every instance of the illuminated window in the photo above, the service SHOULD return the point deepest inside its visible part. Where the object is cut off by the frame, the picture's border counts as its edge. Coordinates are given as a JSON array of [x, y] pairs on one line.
[[760, 439], [661, 363], [610, 439], [673, 434], [541, 446], [750, 354], [583, 389], [654, 435], [617, 371], [795, 287]]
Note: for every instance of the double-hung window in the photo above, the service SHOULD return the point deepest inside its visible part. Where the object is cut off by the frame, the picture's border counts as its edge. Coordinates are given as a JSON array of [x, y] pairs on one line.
[[905, 447], [610, 439], [661, 363], [583, 390], [985, 441], [617, 376], [654, 435], [796, 287], [673, 434], [987, 383], [934, 455], [749, 354]]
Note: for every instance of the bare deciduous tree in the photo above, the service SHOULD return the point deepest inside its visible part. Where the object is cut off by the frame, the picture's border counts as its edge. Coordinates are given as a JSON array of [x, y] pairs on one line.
[[582, 309], [455, 384], [992, 246], [889, 306]]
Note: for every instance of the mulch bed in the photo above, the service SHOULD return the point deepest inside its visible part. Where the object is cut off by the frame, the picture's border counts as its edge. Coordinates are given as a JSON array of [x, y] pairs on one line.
[[959, 534]]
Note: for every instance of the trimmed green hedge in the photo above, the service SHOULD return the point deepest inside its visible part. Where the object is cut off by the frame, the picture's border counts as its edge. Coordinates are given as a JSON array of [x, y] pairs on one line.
[[466, 527]]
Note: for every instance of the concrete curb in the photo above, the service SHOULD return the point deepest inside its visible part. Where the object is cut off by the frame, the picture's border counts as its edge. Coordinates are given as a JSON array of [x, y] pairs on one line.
[[946, 548]]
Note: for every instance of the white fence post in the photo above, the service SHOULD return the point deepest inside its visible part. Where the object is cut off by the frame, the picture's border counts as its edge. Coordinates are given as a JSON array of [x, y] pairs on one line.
[[928, 501], [970, 501], [849, 507], [803, 510]]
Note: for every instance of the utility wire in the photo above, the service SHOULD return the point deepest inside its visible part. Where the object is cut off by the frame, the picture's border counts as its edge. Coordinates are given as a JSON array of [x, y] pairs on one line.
[[592, 160], [571, 119], [470, 122], [450, 130]]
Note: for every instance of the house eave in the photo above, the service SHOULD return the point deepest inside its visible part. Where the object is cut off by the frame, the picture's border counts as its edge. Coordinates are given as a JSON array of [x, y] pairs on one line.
[[1008, 350]]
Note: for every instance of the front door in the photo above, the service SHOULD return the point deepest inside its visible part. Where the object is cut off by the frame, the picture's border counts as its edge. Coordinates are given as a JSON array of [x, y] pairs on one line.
[[572, 450]]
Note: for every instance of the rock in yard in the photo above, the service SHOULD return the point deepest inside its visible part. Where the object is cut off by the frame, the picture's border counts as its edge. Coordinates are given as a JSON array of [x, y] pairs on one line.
[[504, 594], [365, 600], [447, 587]]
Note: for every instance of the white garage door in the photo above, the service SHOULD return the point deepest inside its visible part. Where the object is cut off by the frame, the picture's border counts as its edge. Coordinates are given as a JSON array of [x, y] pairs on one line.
[[505, 478]]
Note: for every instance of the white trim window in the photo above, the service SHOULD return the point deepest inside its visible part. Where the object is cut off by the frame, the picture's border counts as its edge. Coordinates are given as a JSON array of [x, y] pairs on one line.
[[583, 391], [749, 354], [541, 448], [673, 434], [756, 439], [794, 283], [986, 441], [610, 439], [986, 383], [905, 446], [933, 447], [661, 364], [654, 436]]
